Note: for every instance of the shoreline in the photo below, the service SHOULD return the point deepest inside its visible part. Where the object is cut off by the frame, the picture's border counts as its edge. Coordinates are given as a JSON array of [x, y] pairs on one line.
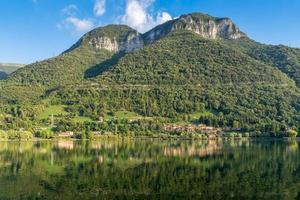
[[145, 138]]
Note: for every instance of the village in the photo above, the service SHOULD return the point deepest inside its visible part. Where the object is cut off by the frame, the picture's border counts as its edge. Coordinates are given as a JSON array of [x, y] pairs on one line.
[[201, 128], [171, 128]]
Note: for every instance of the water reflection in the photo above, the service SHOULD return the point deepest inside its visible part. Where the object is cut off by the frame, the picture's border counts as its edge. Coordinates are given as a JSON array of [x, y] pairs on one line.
[[127, 169], [65, 145]]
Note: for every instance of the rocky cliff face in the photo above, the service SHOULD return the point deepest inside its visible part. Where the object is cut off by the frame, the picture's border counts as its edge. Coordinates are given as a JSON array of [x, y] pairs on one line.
[[128, 44], [104, 43], [208, 27], [204, 25], [113, 38]]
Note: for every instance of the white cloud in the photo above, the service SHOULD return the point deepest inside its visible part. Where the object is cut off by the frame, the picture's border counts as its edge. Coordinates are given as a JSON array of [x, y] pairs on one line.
[[137, 15], [99, 8], [79, 25], [69, 10], [163, 17], [72, 23]]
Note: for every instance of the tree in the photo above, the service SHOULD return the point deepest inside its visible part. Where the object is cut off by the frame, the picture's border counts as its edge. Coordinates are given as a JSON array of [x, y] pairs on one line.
[[235, 124], [292, 133]]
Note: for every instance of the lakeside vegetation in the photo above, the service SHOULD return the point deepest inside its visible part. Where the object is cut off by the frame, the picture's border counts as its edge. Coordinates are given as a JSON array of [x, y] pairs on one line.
[[55, 122]]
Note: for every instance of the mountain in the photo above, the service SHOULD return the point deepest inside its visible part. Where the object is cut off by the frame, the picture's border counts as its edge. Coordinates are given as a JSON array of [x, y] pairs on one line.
[[191, 65]]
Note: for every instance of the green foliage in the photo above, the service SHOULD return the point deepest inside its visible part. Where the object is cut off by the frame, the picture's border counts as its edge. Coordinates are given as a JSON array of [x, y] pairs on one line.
[[44, 133], [3, 135], [55, 110], [19, 135], [84, 135], [282, 57]]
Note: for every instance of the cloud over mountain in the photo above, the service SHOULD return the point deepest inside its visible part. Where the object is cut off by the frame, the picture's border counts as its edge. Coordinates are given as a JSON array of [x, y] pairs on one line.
[[137, 15], [79, 25], [73, 23]]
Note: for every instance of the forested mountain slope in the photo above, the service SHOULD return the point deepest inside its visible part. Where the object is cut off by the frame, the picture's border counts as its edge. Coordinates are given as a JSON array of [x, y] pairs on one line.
[[185, 73], [195, 63], [284, 58]]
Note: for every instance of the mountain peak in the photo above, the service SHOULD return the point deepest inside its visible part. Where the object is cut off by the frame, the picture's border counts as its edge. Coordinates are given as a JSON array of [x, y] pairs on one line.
[[112, 38], [210, 27]]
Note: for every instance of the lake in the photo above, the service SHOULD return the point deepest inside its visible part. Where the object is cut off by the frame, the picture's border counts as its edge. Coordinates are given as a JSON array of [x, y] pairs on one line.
[[149, 169]]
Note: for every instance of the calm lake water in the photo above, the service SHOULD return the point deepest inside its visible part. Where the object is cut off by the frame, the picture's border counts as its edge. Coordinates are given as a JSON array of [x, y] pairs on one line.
[[150, 170]]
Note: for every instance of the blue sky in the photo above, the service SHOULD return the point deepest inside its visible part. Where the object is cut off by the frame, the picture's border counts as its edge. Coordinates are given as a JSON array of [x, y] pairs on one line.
[[33, 30]]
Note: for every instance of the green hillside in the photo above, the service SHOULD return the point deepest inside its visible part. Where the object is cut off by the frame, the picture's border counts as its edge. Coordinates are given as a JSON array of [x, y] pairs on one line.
[[165, 75], [184, 73], [38, 79], [284, 58]]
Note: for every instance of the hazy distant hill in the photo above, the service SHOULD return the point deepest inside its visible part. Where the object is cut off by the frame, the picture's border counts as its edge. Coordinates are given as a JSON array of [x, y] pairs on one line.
[[10, 67]]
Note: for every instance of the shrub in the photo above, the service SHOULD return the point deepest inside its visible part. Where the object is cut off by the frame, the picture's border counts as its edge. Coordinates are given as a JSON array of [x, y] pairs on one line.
[[230, 134], [24, 135], [45, 134], [3, 135], [246, 135], [19, 135]]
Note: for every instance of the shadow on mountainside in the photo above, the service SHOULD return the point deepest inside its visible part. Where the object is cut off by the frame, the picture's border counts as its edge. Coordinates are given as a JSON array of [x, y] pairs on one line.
[[3, 75], [103, 66]]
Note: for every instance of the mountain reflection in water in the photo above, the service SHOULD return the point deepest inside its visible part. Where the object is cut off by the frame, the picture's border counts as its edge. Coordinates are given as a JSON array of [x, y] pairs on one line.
[[151, 169]]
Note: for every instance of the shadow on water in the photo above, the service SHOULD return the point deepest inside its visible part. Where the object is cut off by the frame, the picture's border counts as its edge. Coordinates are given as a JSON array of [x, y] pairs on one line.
[[104, 66], [126, 169]]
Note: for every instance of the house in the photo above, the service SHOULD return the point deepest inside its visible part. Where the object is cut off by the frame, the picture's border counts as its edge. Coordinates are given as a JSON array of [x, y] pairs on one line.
[[67, 134], [100, 119]]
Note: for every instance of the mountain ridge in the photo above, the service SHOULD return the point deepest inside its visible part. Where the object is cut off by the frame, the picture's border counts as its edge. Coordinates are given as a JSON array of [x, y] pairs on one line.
[[130, 39]]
